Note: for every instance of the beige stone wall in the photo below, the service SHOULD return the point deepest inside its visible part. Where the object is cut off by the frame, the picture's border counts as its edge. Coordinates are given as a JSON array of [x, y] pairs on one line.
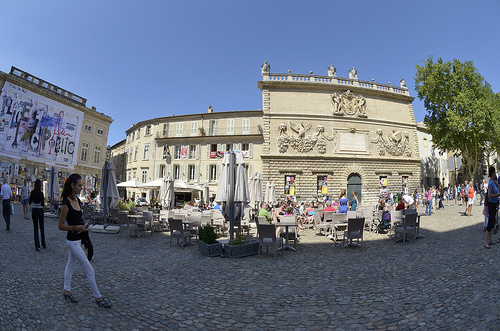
[[307, 171], [245, 130]]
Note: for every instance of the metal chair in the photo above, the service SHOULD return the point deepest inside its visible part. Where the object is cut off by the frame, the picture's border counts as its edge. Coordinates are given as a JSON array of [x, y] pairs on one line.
[[146, 222], [177, 231], [355, 227], [339, 226], [267, 238]]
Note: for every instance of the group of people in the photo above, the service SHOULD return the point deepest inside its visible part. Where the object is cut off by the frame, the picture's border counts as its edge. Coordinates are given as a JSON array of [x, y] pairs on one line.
[[70, 220], [305, 214]]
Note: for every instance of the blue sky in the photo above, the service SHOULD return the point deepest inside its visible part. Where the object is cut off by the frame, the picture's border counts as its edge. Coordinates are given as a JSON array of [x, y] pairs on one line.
[[135, 60]]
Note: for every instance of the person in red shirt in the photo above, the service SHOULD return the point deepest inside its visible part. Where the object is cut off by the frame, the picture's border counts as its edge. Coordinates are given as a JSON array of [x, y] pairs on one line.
[[328, 208]]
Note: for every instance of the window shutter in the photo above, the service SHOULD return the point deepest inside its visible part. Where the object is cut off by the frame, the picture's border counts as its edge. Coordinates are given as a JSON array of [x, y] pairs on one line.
[[198, 147], [219, 147], [208, 151], [183, 172], [224, 146], [218, 172], [207, 179], [197, 173], [171, 149], [238, 148], [250, 150]]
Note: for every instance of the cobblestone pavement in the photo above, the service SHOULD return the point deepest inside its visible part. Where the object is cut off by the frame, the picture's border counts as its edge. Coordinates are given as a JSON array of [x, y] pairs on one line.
[[444, 281]]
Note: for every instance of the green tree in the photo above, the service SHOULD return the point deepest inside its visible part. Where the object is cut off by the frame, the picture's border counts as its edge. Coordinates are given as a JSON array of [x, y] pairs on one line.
[[462, 111]]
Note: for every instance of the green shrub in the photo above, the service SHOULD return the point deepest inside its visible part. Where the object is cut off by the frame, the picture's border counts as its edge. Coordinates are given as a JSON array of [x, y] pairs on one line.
[[207, 234], [125, 206], [239, 240]]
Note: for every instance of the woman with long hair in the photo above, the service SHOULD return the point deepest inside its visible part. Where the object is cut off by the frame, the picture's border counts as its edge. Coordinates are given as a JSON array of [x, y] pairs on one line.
[[71, 213], [354, 201], [344, 202], [37, 202]]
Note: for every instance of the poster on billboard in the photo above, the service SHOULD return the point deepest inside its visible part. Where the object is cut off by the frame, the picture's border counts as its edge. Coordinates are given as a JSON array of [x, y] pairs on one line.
[[37, 127]]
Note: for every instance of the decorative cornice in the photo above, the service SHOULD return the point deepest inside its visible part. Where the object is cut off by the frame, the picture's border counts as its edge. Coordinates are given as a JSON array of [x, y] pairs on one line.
[[54, 96]]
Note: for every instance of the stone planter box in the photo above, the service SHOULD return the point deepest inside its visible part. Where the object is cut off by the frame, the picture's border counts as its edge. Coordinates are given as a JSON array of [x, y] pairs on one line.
[[210, 249], [250, 248]]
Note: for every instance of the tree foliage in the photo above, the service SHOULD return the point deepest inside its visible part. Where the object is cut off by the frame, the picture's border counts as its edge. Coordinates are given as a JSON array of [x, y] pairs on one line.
[[463, 113]]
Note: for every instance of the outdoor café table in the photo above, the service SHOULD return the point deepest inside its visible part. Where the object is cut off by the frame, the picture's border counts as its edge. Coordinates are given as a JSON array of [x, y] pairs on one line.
[[286, 246], [418, 235]]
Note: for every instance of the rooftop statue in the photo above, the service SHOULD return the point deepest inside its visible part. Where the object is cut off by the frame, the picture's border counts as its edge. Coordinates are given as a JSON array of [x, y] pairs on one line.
[[332, 71], [402, 82], [353, 74], [265, 68]]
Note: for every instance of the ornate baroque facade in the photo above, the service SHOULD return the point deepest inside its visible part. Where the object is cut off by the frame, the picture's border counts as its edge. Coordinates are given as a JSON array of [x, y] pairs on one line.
[[325, 133]]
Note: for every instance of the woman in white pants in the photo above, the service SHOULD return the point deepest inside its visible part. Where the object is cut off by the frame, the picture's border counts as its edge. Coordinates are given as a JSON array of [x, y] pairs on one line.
[[71, 213]]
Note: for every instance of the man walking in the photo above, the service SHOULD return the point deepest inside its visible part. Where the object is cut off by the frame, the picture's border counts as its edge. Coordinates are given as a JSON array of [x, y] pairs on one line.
[[6, 193]]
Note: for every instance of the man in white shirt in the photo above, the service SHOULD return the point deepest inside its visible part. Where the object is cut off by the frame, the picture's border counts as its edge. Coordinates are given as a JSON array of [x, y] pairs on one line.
[[408, 200], [6, 193]]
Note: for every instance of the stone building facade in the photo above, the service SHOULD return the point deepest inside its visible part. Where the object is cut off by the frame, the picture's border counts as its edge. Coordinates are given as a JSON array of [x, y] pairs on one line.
[[43, 125], [326, 133], [190, 148], [435, 164], [314, 136]]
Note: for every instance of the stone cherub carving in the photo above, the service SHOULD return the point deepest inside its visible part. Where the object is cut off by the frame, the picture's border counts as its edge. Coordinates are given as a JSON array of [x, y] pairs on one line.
[[265, 68], [397, 144], [302, 143], [332, 71]]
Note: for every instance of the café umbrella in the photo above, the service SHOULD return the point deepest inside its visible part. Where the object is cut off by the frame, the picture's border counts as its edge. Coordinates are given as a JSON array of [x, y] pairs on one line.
[[53, 188], [270, 193], [232, 191], [109, 190], [256, 189], [166, 196]]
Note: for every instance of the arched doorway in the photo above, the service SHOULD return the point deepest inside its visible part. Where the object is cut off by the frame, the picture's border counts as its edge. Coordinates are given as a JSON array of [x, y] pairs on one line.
[[354, 184]]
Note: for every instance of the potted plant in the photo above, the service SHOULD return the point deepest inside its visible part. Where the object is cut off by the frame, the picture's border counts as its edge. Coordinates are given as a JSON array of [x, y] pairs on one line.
[[207, 242], [201, 131], [240, 247]]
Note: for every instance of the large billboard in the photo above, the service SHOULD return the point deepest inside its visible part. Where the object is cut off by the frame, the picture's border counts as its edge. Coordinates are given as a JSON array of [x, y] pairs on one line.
[[38, 128]]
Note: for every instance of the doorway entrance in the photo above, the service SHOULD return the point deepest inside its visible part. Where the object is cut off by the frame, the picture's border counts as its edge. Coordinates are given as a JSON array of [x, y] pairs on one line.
[[354, 185]]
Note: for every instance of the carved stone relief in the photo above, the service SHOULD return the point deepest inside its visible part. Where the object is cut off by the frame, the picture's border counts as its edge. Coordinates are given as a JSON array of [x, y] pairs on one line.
[[348, 103], [301, 142], [397, 144]]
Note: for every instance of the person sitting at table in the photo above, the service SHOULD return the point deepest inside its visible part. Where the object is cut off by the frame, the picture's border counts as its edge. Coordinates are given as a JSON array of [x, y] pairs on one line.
[[269, 216], [309, 215], [281, 210], [401, 204], [264, 212], [329, 207]]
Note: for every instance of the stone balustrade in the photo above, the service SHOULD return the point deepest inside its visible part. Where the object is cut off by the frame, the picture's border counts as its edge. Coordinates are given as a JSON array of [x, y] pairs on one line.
[[46, 85], [305, 78]]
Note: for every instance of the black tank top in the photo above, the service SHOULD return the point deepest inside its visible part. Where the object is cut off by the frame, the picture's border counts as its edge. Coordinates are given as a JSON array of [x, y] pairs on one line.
[[74, 217]]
